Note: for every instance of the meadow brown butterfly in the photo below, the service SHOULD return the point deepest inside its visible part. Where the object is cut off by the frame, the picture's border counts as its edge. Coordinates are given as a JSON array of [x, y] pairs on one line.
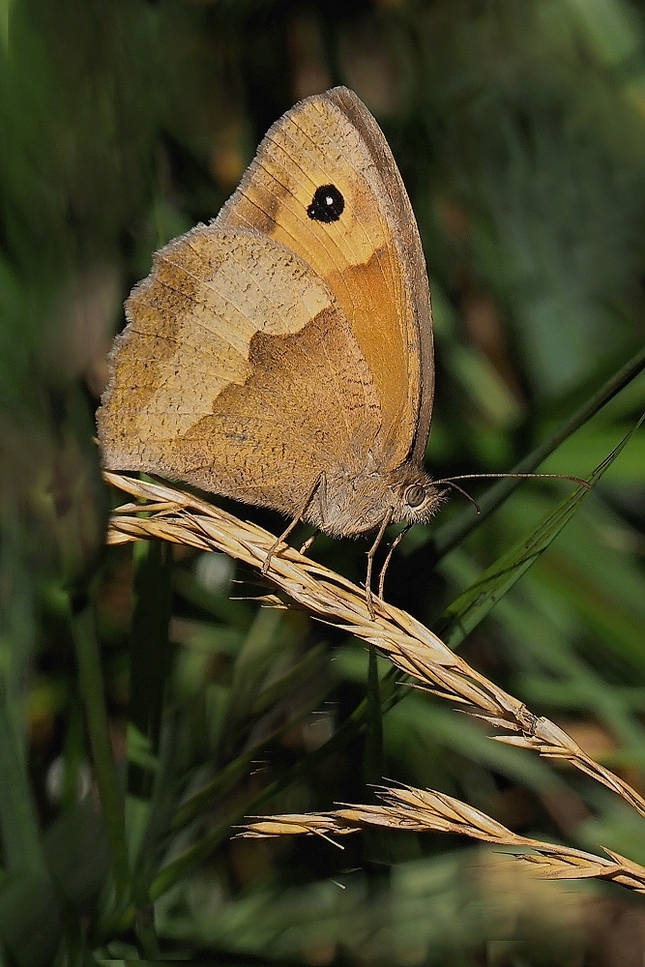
[[282, 355]]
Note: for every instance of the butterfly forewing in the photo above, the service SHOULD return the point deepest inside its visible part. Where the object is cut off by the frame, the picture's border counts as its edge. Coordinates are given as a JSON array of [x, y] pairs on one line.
[[370, 255]]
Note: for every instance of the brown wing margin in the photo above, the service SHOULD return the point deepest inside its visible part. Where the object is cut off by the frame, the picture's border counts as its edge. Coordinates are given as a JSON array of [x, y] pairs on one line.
[[409, 241]]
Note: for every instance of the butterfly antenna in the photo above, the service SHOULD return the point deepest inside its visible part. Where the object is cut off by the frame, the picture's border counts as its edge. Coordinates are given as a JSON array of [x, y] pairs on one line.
[[465, 493], [515, 476]]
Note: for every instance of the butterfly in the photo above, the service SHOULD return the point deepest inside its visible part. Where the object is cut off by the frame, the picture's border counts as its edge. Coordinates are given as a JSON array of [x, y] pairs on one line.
[[282, 355]]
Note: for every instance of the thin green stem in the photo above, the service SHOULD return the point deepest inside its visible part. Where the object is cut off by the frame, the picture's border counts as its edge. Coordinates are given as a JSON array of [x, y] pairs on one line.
[[452, 533], [92, 692]]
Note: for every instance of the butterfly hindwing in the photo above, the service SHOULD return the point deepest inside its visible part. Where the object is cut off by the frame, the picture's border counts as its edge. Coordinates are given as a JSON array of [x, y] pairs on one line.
[[253, 409]]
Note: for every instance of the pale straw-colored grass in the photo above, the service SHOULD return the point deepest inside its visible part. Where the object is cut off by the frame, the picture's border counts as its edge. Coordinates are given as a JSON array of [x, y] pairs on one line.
[[171, 514], [421, 811]]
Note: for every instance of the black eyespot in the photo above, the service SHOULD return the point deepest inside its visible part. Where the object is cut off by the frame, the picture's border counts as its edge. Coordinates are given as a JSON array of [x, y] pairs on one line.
[[414, 495], [327, 204]]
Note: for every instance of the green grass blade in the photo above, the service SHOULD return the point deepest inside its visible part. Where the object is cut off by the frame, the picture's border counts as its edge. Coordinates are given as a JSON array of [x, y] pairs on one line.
[[373, 754], [452, 533], [92, 692], [466, 612], [150, 663], [19, 831], [149, 658]]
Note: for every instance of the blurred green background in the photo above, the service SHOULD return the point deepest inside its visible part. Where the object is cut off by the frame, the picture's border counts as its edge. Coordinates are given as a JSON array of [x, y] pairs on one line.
[[146, 680]]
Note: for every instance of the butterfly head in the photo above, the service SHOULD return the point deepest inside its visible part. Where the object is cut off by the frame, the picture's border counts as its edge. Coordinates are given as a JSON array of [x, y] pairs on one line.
[[415, 497], [345, 505]]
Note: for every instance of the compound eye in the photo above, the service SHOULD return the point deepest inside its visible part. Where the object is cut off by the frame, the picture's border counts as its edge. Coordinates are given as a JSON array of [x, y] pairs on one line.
[[415, 495]]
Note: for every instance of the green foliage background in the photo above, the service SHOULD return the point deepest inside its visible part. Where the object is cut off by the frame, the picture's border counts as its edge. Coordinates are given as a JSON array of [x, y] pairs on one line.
[[140, 679]]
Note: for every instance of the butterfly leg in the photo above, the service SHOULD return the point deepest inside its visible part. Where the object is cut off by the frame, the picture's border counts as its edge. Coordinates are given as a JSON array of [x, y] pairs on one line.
[[370, 563], [393, 546], [307, 544], [319, 481]]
